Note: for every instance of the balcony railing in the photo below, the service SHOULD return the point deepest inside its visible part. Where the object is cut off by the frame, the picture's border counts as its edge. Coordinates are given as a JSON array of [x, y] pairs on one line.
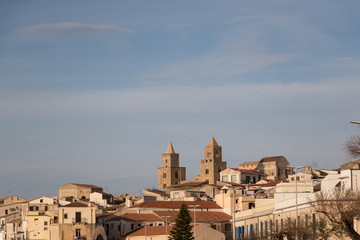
[[82, 220]]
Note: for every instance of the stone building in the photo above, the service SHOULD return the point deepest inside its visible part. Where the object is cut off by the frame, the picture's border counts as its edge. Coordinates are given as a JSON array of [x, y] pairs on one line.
[[170, 173], [276, 167], [212, 164], [75, 191]]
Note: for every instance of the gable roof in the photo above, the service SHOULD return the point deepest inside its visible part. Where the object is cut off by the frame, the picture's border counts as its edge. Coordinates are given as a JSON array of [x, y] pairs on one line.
[[152, 231], [138, 217], [208, 217], [156, 191], [176, 204], [87, 185], [272, 159], [76, 204], [249, 163]]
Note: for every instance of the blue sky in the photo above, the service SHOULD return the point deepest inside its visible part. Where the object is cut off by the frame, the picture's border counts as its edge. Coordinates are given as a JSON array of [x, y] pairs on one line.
[[93, 91]]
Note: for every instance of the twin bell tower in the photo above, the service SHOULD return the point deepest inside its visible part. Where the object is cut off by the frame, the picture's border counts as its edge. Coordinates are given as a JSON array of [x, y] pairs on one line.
[[172, 174]]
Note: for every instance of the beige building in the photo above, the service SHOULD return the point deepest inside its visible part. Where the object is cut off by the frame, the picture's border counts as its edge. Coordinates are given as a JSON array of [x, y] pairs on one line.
[[212, 164], [77, 221], [42, 219], [170, 173], [200, 232], [75, 191], [240, 176]]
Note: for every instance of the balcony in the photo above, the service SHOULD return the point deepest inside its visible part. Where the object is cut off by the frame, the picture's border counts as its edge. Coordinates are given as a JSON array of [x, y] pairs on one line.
[[79, 221]]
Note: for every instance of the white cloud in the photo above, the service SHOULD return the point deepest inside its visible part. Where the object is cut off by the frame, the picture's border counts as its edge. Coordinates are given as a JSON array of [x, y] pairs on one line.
[[69, 28]]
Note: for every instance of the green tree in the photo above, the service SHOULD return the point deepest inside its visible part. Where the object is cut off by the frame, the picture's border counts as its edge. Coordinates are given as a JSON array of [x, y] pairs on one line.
[[182, 230]]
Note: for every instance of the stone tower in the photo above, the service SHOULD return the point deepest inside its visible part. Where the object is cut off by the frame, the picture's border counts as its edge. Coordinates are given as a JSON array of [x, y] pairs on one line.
[[212, 164], [170, 173]]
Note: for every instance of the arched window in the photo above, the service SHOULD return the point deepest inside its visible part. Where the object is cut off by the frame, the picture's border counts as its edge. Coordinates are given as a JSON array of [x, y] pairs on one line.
[[209, 154]]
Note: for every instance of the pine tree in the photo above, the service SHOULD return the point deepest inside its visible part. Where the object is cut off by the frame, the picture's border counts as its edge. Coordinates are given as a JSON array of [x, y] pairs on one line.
[[182, 230]]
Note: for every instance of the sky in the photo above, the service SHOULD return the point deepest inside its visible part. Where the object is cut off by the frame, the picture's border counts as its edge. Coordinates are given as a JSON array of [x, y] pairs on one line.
[[93, 91]]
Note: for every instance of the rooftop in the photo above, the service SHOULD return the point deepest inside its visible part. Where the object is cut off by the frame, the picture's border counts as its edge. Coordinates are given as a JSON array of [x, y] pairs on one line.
[[176, 204]]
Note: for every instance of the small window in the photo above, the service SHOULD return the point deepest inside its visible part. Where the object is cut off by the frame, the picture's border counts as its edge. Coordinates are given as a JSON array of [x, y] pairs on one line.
[[78, 232], [45, 223], [209, 154], [176, 174], [119, 227], [206, 171], [45, 228], [65, 215], [132, 226], [164, 175], [41, 200]]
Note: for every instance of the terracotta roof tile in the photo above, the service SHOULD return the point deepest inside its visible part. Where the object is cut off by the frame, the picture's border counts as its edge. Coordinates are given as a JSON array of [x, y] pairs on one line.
[[87, 185], [176, 204], [151, 231], [76, 204], [208, 217], [138, 217], [157, 192], [272, 159], [249, 163]]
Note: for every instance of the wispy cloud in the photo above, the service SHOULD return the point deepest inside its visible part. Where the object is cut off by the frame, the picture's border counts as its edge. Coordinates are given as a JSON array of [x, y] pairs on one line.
[[69, 28]]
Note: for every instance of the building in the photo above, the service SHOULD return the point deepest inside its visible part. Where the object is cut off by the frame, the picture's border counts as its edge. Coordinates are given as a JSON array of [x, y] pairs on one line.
[[75, 191], [275, 167], [240, 176], [212, 164], [77, 221], [170, 173], [200, 232]]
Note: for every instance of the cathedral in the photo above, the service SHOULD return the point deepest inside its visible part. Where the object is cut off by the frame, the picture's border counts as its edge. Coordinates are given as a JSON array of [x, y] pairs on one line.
[[210, 167]]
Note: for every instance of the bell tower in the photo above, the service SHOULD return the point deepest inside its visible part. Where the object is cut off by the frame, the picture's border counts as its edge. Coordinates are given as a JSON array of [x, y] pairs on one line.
[[212, 164], [170, 173]]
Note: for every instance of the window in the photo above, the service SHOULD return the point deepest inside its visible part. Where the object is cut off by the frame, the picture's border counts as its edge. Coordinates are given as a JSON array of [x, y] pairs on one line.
[[45, 228], [65, 215], [6, 211], [254, 180], [55, 219], [41, 200], [206, 171], [247, 179], [227, 227], [233, 178], [112, 226], [132, 226], [119, 227], [139, 224], [78, 232], [209, 154], [78, 217], [164, 175], [217, 154], [45, 223], [225, 178], [176, 174]]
